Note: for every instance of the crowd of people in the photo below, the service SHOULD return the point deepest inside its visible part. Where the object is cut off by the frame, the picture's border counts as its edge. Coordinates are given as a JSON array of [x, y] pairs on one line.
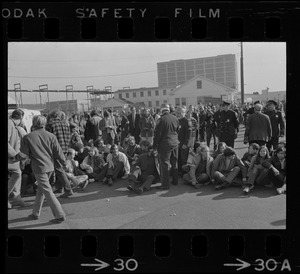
[[64, 154]]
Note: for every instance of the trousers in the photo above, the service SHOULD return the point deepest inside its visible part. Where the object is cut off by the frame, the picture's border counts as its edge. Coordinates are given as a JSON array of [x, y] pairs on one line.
[[227, 176], [168, 160], [44, 190], [14, 182]]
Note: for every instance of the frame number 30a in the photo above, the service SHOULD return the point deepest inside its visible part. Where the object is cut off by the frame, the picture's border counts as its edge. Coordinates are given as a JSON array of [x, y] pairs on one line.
[[130, 265]]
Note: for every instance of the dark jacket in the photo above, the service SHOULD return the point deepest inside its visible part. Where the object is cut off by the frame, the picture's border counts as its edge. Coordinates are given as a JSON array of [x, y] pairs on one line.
[[91, 130], [166, 132], [134, 129], [274, 161], [277, 122], [228, 125], [258, 128], [185, 131], [143, 164], [147, 125]]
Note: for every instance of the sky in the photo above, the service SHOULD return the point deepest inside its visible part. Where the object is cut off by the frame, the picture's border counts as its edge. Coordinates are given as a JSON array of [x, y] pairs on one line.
[[133, 65]]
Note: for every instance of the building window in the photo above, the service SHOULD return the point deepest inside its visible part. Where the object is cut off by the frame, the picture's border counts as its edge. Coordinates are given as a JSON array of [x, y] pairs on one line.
[[120, 96], [164, 92], [165, 101], [127, 95], [134, 94], [156, 93], [199, 84], [177, 101], [157, 103], [149, 93], [183, 101], [142, 94], [150, 104]]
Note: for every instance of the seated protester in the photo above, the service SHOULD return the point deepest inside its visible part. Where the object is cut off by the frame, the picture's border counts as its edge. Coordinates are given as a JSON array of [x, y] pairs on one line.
[[76, 176], [146, 170], [118, 143], [132, 149], [75, 137], [80, 153], [28, 180], [252, 151], [277, 169], [200, 167], [226, 168], [257, 172], [220, 149], [192, 153], [280, 144], [117, 165], [144, 145], [93, 165]]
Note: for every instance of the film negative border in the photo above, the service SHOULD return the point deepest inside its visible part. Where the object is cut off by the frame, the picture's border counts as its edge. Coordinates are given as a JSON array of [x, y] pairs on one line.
[[146, 251]]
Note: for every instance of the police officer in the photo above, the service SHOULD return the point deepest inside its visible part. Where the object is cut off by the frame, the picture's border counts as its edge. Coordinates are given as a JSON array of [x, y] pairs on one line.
[[277, 124], [166, 142], [229, 125]]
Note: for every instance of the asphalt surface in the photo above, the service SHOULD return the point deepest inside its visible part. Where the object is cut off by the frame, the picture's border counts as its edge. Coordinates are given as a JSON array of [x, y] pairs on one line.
[[181, 207]]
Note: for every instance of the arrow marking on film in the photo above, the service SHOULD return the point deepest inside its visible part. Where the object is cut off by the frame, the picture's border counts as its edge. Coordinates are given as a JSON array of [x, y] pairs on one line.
[[99, 266], [242, 265]]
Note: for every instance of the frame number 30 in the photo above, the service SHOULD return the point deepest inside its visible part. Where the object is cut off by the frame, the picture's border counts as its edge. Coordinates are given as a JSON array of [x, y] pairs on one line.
[[130, 265]]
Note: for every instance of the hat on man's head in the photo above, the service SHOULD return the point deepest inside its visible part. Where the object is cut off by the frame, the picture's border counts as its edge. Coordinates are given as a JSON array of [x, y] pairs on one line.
[[225, 103], [271, 102], [257, 102], [164, 107]]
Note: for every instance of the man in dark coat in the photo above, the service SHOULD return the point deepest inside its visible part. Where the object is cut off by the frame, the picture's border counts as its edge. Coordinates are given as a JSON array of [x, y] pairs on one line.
[[134, 121], [184, 137], [229, 125], [277, 124], [166, 142], [258, 127]]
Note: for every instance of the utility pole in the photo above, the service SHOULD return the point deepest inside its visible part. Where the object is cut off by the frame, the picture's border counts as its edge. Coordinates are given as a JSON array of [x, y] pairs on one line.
[[242, 75]]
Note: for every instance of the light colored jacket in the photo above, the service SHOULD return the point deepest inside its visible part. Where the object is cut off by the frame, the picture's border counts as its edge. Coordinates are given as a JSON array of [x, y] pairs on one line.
[[122, 158]]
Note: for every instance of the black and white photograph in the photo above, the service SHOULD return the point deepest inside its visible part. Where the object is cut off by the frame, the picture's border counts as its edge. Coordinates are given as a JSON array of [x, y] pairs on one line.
[[146, 135]]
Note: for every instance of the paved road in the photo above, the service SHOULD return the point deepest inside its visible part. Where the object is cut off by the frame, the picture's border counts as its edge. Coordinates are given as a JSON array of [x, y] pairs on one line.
[[180, 207]]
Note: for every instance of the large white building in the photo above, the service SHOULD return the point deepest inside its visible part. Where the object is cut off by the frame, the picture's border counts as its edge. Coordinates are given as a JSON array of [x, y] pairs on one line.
[[200, 90], [220, 68]]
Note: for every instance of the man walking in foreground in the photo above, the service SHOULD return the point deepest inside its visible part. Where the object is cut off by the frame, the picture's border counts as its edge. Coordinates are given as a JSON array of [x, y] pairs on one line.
[[42, 148], [166, 142]]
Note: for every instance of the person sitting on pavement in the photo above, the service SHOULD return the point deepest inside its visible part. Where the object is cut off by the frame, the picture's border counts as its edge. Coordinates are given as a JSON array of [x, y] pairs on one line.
[[76, 176], [281, 144], [277, 169], [81, 152], [75, 137], [257, 172], [199, 167], [93, 165], [252, 151], [226, 168], [220, 149], [132, 149], [145, 170], [117, 166]]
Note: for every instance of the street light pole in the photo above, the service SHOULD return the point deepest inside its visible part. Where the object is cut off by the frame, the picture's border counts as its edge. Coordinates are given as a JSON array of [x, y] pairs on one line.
[[242, 75]]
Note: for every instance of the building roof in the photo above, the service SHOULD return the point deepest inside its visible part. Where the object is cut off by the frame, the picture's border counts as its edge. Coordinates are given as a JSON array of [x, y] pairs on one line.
[[203, 78], [196, 58], [136, 89], [113, 102]]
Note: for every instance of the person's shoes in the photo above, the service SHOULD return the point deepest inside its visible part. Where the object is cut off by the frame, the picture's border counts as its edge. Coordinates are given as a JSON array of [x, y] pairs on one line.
[[222, 186], [105, 180], [198, 185], [9, 206], [280, 190], [57, 220], [91, 180], [110, 182], [130, 188], [162, 187], [246, 190], [58, 191], [66, 195], [139, 191], [19, 202], [33, 217], [84, 184]]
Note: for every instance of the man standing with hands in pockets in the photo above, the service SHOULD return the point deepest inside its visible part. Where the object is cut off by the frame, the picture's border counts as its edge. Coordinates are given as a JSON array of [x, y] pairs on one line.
[[166, 142], [42, 147]]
